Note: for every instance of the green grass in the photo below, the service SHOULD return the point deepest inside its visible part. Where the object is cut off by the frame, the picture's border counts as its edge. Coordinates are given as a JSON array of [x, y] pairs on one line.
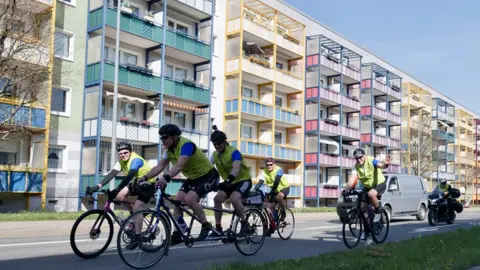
[[457, 250], [47, 215]]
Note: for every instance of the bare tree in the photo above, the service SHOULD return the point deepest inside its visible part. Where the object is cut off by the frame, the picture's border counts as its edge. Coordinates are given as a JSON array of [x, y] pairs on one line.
[[25, 38], [420, 141]]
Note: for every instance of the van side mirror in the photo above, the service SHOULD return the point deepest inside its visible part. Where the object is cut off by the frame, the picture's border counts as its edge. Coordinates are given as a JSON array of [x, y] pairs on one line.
[[392, 187]]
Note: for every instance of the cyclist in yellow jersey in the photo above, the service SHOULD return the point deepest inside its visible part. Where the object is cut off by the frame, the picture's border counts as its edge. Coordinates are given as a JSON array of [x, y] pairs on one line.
[[369, 171], [134, 167], [194, 164], [236, 178], [278, 183]]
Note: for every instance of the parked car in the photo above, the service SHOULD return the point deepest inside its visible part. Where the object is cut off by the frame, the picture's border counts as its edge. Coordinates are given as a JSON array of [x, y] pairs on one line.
[[406, 195]]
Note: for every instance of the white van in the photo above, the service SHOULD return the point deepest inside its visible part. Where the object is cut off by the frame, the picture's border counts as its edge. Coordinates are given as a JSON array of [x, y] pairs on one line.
[[405, 195]]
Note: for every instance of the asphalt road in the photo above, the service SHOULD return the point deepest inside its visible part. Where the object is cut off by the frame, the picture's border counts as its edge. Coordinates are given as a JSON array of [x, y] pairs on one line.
[[46, 245]]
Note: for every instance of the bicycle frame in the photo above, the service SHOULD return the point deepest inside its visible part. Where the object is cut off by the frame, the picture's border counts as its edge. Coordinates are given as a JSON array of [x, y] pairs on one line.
[[160, 203], [358, 207]]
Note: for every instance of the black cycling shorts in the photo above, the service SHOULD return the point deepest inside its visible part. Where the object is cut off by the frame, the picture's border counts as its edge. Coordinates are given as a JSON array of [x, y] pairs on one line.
[[242, 187], [144, 192], [285, 192], [380, 188], [201, 185]]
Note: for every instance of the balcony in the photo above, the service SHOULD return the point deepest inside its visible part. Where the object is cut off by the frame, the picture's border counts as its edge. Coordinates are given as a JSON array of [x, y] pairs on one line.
[[186, 90], [128, 130], [199, 9], [325, 127], [378, 140], [311, 192], [257, 110], [292, 119], [330, 97], [440, 174], [443, 135], [20, 179], [289, 80], [443, 156], [326, 160], [381, 114], [441, 115], [29, 117], [393, 169], [382, 87], [350, 132], [290, 43], [27, 49], [334, 65], [150, 33], [413, 100], [348, 162], [252, 148], [255, 67], [288, 153]]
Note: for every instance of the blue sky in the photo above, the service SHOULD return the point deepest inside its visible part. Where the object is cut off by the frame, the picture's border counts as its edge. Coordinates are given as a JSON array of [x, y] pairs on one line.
[[437, 42]]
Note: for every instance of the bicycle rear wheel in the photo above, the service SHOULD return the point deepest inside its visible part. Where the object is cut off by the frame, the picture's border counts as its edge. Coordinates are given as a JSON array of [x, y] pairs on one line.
[[256, 221], [154, 227], [284, 227], [92, 232], [354, 226], [383, 223]]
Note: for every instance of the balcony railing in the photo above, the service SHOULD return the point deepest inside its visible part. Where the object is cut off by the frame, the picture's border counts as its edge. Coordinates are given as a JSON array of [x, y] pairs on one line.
[[381, 113], [20, 179], [288, 153], [252, 66], [312, 126], [186, 90], [288, 117], [251, 107], [22, 116], [333, 64], [443, 135], [289, 80], [443, 116], [252, 148], [202, 5], [351, 132], [381, 86], [290, 43], [323, 159]]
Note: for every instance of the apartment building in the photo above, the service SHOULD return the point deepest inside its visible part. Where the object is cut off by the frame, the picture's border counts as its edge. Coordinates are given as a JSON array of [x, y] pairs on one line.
[[164, 77], [417, 132], [332, 118], [477, 160], [264, 71], [465, 146], [25, 83], [66, 107]]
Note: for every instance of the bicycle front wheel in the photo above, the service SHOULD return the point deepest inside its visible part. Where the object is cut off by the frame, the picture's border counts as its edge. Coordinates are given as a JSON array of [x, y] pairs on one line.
[[148, 244], [379, 226], [92, 226], [286, 227], [256, 234], [352, 229]]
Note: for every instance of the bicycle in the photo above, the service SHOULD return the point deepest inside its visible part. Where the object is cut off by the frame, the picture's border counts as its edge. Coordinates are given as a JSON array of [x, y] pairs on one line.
[[164, 216], [356, 214], [277, 224], [94, 233]]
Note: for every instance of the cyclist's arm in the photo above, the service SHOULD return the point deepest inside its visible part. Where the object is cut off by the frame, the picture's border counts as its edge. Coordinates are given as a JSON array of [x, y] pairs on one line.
[[236, 164], [110, 175], [188, 149], [352, 182], [134, 167], [278, 177], [158, 168], [380, 165]]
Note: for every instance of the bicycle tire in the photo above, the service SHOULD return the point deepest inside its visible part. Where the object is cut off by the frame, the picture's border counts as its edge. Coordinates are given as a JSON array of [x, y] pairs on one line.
[[278, 226], [347, 225], [75, 249], [237, 239], [374, 236], [166, 244]]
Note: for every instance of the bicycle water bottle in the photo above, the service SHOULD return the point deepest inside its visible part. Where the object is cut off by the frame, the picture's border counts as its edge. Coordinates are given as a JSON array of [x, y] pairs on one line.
[[183, 225]]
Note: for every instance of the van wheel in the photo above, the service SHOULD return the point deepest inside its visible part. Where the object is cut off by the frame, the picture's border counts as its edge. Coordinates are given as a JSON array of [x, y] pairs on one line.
[[389, 212], [422, 213]]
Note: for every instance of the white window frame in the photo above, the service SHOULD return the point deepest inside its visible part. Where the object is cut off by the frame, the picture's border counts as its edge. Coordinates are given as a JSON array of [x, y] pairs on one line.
[[72, 3], [64, 168], [187, 70], [68, 101], [175, 23], [71, 46], [251, 131]]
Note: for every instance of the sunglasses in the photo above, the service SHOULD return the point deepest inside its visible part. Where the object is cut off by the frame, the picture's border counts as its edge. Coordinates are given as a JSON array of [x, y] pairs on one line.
[[123, 153], [164, 137], [269, 164], [217, 143]]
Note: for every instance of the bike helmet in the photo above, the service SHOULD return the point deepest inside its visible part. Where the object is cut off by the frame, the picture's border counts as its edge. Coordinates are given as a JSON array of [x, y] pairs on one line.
[[169, 130], [269, 159], [443, 182], [124, 145], [217, 135], [358, 153]]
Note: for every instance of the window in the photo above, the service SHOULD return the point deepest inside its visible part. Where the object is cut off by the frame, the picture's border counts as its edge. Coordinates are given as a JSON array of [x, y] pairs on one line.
[[246, 131], [169, 71], [8, 158], [180, 73], [278, 138], [55, 158], [60, 101], [127, 110], [182, 29], [247, 92], [278, 101], [64, 44], [129, 58], [393, 185], [6, 87], [279, 65], [179, 119]]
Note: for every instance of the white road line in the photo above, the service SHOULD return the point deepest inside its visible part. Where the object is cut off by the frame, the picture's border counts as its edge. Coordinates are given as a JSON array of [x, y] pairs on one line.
[[46, 243]]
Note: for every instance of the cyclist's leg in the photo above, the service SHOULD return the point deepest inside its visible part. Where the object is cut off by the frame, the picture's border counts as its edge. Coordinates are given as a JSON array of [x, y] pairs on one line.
[[144, 192], [219, 199], [240, 190], [123, 196], [281, 199], [374, 192], [176, 238]]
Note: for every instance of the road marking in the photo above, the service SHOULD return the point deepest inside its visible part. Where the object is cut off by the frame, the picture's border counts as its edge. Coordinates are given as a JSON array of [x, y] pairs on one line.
[[46, 243], [431, 229], [319, 228]]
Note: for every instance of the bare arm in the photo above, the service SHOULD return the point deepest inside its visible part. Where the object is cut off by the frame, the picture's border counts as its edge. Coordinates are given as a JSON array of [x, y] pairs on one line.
[[352, 181], [236, 167], [182, 161], [108, 178], [384, 164], [157, 169]]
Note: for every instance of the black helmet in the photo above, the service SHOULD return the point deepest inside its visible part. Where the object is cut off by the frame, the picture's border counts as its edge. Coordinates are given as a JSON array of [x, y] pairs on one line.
[[217, 135], [269, 159], [169, 130], [358, 153], [124, 145]]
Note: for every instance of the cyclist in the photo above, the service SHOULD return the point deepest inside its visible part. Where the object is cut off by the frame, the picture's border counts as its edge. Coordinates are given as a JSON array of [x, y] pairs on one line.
[[446, 188], [369, 171], [194, 164], [236, 178], [133, 166], [274, 178]]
